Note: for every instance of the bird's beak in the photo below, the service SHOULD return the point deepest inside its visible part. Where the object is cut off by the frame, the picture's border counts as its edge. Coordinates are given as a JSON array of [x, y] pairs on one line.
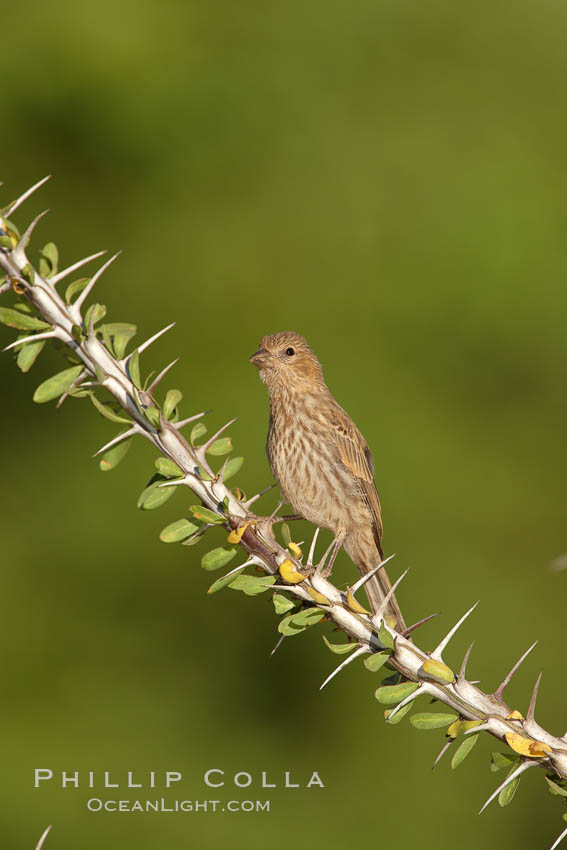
[[260, 357]]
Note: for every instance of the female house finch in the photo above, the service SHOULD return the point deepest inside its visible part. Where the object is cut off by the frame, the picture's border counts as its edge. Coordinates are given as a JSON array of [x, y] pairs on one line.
[[320, 459]]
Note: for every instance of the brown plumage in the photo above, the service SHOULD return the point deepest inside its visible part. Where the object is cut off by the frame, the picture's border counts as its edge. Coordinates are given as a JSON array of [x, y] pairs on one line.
[[319, 457]]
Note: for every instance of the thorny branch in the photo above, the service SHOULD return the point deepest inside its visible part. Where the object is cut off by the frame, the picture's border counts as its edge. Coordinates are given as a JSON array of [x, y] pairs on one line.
[[421, 673]]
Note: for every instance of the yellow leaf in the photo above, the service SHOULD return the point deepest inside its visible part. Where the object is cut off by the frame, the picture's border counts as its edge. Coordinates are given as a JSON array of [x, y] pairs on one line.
[[515, 715], [526, 746], [294, 549], [459, 726], [316, 596], [354, 605], [289, 572], [454, 729], [235, 535], [434, 669]]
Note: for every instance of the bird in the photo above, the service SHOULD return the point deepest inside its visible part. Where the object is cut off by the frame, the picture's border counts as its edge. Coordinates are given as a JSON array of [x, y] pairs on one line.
[[321, 461]]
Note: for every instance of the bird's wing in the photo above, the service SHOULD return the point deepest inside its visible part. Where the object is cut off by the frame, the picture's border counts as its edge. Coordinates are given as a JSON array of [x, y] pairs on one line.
[[357, 458]]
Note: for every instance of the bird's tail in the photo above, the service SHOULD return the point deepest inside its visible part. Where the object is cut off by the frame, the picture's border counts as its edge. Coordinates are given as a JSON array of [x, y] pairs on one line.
[[366, 556]]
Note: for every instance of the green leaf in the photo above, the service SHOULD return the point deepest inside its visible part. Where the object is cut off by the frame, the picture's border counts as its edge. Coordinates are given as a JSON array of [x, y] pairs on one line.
[[385, 637], [56, 385], [75, 287], [399, 715], [282, 603], [392, 694], [431, 720], [194, 538], [507, 794], [308, 617], [286, 533], [250, 585], [227, 579], [217, 558], [50, 253], [113, 456], [340, 648], [232, 467], [97, 311], [105, 409], [463, 750], [172, 399], [24, 307], [21, 321], [155, 495], [500, 760], [555, 788], [167, 467], [376, 661], [197, 431], [295, 623], [205, 514], [117, 335], [133, 367], [181, 529], [152, 415], [29, 354], [220, 447], [28, 273]]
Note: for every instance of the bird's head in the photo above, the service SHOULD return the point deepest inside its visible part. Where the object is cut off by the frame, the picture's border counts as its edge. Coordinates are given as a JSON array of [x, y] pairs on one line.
[[286, 358]]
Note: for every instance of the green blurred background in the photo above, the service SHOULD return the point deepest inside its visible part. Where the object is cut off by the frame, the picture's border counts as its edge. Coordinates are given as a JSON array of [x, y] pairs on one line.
[[390, 180]]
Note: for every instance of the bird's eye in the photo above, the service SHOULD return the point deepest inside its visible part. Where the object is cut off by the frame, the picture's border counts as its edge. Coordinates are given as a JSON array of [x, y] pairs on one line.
[[290, 352]]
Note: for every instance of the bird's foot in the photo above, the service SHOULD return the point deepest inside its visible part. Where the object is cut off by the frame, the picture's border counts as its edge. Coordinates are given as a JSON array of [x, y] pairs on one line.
[[324, 567]]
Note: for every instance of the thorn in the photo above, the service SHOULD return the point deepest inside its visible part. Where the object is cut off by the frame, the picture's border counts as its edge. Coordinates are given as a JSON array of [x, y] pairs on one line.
[[444, 749], [153, 338], [176, 481], [255, 498], [360, 651], [437, 653], [405, 701], [363, 579], [379, 615], [559, 840], [505, 682], [236, 569], [162, 375], [221, 472], [184, 422], [515, 773], [125, 436], [75, 383], [206, 446], [462, 672], [90, 329], [15, 204], [312, 547], [32, 338], [25, 240], [407, 632], [277, 646], [274, 512], [86, 291], [530, 719], [70, 269], [482, 727], [43, 837]]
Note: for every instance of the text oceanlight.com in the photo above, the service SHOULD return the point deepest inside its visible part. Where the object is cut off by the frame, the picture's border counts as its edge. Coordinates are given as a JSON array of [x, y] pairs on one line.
[[97, 805]]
